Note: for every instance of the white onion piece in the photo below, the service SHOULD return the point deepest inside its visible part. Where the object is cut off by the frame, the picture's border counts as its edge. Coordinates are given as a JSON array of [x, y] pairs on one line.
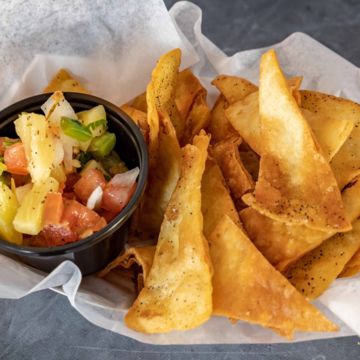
[[49, 105], [125, 179], [68, 145], [95, 198]]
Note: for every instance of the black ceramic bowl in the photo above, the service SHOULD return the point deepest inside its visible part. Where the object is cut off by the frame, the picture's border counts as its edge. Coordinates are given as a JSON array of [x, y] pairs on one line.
[[96, 251]]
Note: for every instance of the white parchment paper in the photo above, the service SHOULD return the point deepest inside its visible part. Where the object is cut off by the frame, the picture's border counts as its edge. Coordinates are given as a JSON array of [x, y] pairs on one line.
[[114, 59]]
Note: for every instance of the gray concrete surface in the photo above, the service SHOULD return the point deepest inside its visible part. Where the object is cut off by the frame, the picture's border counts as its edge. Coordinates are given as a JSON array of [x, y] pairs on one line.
[[44, 326]]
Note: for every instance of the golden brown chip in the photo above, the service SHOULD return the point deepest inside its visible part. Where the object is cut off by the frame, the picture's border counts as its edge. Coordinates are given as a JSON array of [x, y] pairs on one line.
[[140, 256], [346, 163], [352, 267], [246, 287], [227, 155], [283, 244], [197, 118], [162, 178], [140, 103], [331, 133], [139, 118], [296, 184], [164, 79], [233, 88], [187, 88], [314, 272], [215, 198], [294, 84], [219, 126], [177, 291], [251, 162], [64, 81]]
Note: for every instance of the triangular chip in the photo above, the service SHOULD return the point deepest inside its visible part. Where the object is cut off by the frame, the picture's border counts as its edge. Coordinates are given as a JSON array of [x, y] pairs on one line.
[[295, 184], [314, 272], [219, 126], [162, 178], [154, 125], [177, 291], [187, 88], [346, 163], [352, 267], [140, 119], [233, 88], [246, 287], [140, 103], [226, 153], [142, 257], [164, 79], [283, 244], [63, 81], [215, 198]]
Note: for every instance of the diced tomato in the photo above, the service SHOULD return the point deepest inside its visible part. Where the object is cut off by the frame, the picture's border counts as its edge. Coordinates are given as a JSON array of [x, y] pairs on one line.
[[116, 197], [53, 209], [98, 226], [107, 215], [61, 187], [21, 180], [4, 143], [80, 218], [15, 159], [69, 195], [71, 180], [88, 182]]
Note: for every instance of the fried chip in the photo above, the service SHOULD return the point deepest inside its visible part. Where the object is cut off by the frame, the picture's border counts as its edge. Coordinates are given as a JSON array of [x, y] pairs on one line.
[[251, 163], [164, 79], [140, 119], [162, 178], [215, 198], [140, 103], [346, 163], [352, 267], [140, 256], [187, 88], [63, 81], [227, 155], [294, 84], [246, 287], [233, 88], [197, 118], [314, 272], [177, 291], [331, 133], [295, 184], [219, 126], [283, 244]]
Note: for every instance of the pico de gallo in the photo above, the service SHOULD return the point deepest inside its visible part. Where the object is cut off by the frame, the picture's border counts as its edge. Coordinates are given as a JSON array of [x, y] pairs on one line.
[[61, 179]]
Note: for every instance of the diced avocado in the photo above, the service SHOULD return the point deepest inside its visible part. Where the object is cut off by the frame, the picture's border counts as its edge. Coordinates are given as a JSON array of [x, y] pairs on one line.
[[94, 120], [103, 145], [75, 129]]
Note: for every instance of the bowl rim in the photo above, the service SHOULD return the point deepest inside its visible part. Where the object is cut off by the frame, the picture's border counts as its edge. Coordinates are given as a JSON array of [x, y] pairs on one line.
[[120, 117]]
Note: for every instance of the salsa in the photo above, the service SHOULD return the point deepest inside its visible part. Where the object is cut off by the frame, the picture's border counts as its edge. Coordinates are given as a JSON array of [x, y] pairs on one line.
[[61, 179]]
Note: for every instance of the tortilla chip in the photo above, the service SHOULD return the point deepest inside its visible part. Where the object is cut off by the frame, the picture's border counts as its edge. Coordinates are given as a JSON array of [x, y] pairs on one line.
[[296, 184], [140, 103], [177, 292], [215, 198], [233, 88], [164, 79], [237, 178], [219, 126], [314, 272], [187, 88], [246, 287], [63, 81], [141, 257], [331, 133], [154, 126], [162, 179], [346, 163], [294, 84], [197, 119], [352, 268], [283, 244], [139, 118]]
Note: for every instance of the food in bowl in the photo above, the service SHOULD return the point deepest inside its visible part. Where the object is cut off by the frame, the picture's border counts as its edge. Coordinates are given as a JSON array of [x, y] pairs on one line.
[[61, 179]]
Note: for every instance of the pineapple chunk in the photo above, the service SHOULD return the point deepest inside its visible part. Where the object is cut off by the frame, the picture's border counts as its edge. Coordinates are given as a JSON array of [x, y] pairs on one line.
[[29, 217], [8, 208], [39, 144], [59, 174]]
